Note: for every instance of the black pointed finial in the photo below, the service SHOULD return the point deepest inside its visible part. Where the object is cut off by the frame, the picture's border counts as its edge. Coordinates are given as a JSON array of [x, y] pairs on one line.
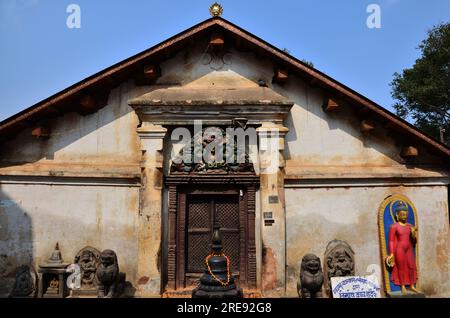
[[216, 239]]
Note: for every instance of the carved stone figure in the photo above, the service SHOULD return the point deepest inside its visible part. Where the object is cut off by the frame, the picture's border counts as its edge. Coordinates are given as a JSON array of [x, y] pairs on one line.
[[203, 158], [311, 277], [339, 261], [24, 284], [110, 281], [53, 288], [88, 259]]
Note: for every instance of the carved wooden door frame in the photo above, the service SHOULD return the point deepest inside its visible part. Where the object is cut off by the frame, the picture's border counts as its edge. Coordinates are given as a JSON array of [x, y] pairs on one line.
[[179, 187]]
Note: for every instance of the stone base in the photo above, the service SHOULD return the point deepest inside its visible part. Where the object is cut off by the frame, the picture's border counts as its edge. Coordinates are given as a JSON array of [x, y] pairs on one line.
[[409, 294], [84, 293], [187, 293], [252, 293]]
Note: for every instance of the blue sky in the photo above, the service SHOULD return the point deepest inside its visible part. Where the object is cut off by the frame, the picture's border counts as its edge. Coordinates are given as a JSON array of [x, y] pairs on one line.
[[41, 56]]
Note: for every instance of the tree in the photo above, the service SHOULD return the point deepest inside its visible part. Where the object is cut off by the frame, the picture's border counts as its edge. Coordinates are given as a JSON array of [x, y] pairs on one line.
[[423, 91]]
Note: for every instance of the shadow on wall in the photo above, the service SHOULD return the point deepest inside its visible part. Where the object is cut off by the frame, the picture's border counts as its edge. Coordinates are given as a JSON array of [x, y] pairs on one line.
[[16, 242]]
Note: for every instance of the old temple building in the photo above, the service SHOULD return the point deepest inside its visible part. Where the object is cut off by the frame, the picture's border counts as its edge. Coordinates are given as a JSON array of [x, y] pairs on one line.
[[93, 168]]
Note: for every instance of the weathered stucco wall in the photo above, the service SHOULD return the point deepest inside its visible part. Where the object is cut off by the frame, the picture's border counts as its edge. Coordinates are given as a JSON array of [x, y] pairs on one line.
[[315, 216], [34, 213], [34, 217], [106, 137], [320, 138], [317, 141]]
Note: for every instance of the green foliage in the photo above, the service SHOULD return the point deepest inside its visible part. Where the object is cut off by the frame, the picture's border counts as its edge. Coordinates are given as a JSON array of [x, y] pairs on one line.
[[309, 63], [423, 91]]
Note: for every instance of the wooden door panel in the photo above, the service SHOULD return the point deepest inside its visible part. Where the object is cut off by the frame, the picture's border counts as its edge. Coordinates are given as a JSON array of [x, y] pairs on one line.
[[198, 232], [198, 249], [202, 210], [227, 215]]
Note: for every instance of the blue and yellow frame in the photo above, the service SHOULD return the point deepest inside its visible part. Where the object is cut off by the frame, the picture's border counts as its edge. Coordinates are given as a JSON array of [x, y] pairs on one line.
[[386, 217]]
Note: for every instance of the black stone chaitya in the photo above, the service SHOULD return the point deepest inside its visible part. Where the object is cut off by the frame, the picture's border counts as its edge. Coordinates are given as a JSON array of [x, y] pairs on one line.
[[217, 281]]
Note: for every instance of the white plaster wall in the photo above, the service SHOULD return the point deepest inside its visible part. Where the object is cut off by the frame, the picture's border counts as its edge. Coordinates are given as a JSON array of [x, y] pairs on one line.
[[315, 216], [34, 217]]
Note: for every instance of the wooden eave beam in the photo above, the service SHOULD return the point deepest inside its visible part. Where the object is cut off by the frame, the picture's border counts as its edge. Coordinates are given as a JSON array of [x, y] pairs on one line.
[[331, 105], [280, 76], [409, 152], [42, 131], [91, 103], [148, 74], [217, 41], [367, 126]]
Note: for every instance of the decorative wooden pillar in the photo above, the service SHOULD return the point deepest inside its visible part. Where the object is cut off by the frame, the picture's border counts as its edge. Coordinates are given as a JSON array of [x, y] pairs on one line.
[[150, 210], [172, 248], [251, 274], [271, 155]]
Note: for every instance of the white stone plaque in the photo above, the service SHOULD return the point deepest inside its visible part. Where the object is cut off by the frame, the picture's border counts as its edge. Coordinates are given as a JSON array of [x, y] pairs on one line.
[[355, 287]]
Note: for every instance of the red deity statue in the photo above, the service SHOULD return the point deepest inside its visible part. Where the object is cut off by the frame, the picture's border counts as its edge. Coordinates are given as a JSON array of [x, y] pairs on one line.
[[402, 239]]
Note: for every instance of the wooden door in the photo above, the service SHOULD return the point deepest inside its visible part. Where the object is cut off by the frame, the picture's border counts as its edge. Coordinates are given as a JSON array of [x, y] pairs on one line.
[[193, 206]]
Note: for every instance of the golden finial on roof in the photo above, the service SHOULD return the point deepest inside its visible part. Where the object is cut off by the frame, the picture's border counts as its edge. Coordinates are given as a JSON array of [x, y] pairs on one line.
[[216, 9]]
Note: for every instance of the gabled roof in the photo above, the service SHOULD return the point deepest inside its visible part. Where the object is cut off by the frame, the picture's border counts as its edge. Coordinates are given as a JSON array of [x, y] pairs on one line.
[[65, 100]]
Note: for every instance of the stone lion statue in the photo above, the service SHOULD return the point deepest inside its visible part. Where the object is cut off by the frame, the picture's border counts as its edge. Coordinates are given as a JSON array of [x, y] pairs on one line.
[[110, 280], [311, 277]]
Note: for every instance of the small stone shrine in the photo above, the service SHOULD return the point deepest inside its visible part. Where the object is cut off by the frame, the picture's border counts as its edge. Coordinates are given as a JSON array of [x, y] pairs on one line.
[[217, 281], [52, 274]]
